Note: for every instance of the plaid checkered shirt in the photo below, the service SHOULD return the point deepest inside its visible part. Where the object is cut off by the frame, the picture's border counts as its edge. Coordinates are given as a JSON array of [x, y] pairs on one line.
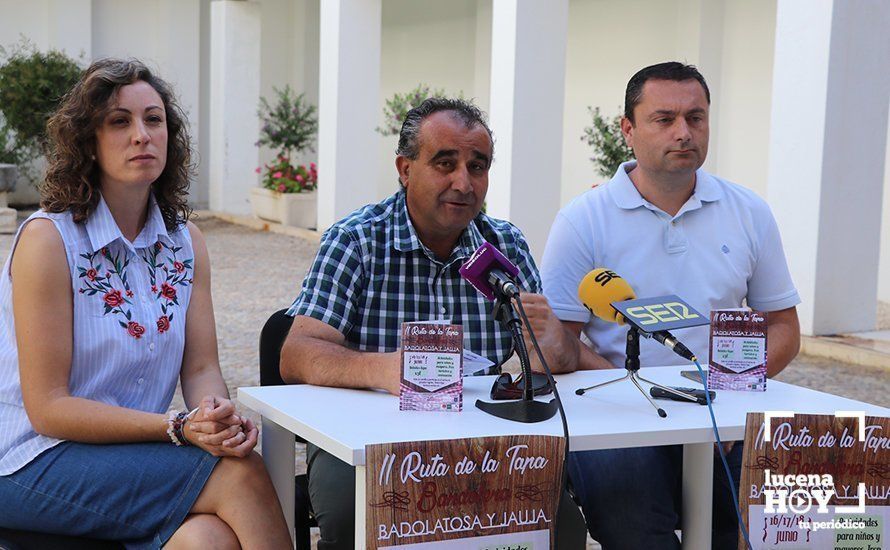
[[372, 273]]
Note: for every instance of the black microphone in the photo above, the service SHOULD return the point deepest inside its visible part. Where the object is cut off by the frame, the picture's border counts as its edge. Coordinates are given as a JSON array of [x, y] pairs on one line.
[[502, 283], [668, 340]]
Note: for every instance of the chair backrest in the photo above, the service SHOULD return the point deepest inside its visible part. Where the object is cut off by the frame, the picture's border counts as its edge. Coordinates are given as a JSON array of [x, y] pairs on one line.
[[271, 338]]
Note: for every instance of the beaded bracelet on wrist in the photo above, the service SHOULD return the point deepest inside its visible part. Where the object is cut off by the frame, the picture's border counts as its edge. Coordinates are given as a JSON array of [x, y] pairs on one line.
[[175, 424]]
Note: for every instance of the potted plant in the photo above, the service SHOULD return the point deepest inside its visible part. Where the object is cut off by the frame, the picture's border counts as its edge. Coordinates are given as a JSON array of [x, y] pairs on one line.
[[287, 194], [32, 84], [607, 141]]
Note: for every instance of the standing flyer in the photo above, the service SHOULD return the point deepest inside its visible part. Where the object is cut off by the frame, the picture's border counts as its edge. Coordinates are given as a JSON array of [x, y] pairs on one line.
[[738, 350], [432, 367]]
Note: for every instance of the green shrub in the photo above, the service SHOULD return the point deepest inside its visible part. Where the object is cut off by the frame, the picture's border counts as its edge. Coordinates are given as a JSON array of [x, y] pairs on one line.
[[32, 84], [607, 141], [396, 108], [289, 125]]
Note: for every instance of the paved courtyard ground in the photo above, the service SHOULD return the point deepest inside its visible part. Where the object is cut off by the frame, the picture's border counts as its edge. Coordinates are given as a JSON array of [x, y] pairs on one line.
[[256, 273]]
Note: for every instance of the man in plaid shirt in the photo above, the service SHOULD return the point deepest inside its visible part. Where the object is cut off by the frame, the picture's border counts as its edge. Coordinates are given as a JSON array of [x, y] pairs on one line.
[[398, 261]]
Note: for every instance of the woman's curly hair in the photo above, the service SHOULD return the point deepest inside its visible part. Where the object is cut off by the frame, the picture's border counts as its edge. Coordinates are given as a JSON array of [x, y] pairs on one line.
[[72, 175]]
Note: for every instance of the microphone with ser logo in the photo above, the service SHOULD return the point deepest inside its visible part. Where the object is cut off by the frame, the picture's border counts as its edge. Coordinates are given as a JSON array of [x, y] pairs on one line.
[[603, 292], [602, 287]]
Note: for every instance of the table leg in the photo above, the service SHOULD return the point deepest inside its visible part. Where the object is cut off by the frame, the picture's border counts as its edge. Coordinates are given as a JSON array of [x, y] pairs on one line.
[[279, 455], [360, 500], [698, 488]]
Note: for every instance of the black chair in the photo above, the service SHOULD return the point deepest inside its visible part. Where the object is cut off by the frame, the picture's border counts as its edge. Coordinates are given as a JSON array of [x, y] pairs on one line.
[[271, 338], [11, 539]]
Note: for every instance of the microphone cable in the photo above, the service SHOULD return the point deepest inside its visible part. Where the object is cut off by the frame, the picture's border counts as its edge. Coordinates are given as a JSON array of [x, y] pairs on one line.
[[562, 416], [732, 490]]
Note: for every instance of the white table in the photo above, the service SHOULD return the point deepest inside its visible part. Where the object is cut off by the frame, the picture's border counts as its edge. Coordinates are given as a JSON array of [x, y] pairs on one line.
[[343, 421]]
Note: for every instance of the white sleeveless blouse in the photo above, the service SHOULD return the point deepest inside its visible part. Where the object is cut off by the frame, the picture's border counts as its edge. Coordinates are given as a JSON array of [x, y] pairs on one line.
[[130, 303]]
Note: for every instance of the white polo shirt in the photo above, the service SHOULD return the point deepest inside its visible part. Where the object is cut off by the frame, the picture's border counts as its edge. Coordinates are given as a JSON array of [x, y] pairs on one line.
[[721, 248]]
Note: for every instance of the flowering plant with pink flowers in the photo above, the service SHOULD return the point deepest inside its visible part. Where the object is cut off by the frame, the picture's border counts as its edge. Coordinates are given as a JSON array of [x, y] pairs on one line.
[[289, 124], [281, 176]]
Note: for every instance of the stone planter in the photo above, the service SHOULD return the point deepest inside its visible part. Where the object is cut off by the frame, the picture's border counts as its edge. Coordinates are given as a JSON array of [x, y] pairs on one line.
[[293, 209], [9, 174]]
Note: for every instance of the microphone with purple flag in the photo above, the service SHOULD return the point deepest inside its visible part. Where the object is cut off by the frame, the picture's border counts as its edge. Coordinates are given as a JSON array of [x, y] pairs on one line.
[[491, 273]]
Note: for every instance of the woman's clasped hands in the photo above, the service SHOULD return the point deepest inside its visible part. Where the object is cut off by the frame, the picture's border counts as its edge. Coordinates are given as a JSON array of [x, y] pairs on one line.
[[218, 429]]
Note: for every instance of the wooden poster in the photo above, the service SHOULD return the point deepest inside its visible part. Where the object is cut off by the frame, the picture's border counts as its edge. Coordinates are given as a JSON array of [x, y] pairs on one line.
[[501, 492], [816, 482]]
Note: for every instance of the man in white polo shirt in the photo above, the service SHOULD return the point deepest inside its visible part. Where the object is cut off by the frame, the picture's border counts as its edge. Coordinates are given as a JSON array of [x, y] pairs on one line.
[[667, 227]]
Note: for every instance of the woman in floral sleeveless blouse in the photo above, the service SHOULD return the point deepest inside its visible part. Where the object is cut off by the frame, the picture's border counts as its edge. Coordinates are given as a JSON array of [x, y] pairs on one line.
[[104, 305]]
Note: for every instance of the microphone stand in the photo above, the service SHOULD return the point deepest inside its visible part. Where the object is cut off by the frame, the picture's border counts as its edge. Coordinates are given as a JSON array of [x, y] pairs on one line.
[[526, 409], [632, 367]]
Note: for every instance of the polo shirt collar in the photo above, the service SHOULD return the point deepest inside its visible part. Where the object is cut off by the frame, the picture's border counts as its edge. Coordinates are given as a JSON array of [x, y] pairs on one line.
[[103, 230], [626, 195], [405, 237], [706, 189], [623, 191]]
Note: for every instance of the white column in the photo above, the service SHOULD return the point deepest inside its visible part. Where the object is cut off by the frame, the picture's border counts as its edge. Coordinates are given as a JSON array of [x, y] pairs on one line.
[[700, 26], [482, 67], [528, 46], [70, 27], [348, 106], [200, 190], [234, 98], [831, 84], [178, 59], [311, 13]]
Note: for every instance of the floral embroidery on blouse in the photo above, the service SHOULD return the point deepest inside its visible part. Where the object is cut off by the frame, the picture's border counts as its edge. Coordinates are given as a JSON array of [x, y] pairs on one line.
[[176, 273], [108, 279]]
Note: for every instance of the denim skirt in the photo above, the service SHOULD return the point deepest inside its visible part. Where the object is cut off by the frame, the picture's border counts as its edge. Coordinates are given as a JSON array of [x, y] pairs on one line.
[[136, 493]]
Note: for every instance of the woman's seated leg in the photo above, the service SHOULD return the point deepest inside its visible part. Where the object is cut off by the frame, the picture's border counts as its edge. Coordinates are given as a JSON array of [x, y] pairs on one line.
[[203, 532], [240, 493]]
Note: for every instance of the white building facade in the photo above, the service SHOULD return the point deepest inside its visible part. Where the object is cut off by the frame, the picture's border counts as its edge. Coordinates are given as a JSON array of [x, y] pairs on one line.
[[799, 87]]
